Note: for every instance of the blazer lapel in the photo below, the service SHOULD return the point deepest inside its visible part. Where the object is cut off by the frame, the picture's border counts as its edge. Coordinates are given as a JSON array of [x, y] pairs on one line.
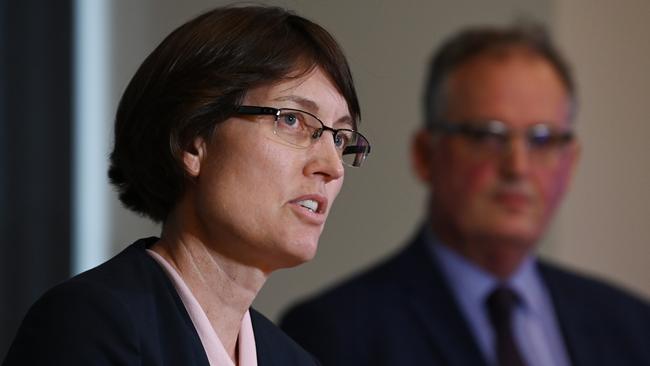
[[274, 348], [266, 355], [433, 304], [577, 328]]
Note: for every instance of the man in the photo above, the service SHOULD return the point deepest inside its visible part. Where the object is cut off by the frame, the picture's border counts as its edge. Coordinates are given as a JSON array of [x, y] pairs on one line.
[[497, 152]]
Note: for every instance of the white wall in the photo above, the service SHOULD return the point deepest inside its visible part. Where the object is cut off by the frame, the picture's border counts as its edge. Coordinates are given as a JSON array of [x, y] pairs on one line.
[[604, 227], [388, 44]]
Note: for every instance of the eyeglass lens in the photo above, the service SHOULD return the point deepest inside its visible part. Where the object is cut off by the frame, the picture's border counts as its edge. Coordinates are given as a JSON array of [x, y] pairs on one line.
[[494, 136], [302, 129]]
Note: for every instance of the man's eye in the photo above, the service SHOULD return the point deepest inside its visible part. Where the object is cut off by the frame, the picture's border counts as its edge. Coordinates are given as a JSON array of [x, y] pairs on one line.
[[541, 140], [485, 135], [541, 136]]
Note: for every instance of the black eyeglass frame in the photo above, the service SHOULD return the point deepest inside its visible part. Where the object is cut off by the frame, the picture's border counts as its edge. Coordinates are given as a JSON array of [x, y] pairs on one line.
[[472, 129], [275, 112]]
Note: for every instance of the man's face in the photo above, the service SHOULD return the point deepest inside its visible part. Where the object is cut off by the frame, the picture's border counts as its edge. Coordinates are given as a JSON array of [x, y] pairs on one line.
[[505, 193]]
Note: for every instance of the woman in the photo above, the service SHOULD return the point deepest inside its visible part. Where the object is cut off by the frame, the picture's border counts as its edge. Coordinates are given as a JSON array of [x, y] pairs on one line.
[[233, 133]]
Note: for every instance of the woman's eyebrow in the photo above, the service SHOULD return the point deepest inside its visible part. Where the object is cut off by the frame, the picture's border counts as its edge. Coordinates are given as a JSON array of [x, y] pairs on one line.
[[346, 121], [305, 103], [311, 106]]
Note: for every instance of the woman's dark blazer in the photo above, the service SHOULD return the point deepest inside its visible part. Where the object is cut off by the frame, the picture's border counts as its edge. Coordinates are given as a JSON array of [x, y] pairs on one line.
[[127, 312]]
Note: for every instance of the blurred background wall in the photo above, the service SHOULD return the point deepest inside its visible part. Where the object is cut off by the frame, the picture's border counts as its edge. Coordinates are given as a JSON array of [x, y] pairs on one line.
[[603, 227]]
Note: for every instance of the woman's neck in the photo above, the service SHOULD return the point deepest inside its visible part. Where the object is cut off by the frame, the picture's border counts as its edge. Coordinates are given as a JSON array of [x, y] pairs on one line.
[[223, 287]]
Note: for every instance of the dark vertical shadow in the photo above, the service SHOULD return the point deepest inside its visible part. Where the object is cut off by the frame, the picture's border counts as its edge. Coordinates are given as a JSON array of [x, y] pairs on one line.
[[35, 145]]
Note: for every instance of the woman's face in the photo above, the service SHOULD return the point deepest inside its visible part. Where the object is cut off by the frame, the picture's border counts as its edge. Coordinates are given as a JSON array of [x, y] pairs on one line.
[[251, 188]]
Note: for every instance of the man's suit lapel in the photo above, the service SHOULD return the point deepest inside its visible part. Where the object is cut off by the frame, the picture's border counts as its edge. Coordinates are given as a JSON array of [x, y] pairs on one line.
[[578, 329], [433, 304]]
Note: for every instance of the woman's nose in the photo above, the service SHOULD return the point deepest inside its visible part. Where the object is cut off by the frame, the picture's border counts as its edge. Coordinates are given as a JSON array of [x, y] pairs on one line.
[[325, 158]]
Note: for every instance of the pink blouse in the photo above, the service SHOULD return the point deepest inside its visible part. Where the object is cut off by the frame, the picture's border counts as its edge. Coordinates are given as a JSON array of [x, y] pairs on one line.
[[217, 355]]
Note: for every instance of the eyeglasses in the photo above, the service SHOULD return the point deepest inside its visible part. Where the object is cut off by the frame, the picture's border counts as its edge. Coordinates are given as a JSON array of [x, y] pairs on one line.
[[302, 129], [493, 137]]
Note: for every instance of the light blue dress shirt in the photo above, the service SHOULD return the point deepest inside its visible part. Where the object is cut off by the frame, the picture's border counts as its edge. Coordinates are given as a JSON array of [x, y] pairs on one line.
[[535, 324]]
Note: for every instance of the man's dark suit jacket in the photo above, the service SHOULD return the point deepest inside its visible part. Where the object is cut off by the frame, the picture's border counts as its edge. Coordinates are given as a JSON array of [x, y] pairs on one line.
[[402, 312], [127, 312]]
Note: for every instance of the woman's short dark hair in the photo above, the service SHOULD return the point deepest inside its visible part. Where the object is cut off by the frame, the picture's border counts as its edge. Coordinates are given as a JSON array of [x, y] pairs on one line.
[[473, 42], [191, 82]]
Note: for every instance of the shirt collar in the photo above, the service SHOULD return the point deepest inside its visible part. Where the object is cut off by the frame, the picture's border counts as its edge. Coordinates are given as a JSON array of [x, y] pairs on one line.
[[471, 283], [214, 349]]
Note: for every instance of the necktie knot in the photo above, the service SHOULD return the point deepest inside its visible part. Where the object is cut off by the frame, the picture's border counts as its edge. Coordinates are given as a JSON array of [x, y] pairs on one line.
[[500, 303]]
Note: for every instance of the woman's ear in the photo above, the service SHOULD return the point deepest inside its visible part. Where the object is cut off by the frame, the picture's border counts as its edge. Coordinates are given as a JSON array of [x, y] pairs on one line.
[[422, 155], [193, 156]]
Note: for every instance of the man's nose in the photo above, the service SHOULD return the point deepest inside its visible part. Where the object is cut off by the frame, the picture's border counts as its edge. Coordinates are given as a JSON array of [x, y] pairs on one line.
[[516, 159]]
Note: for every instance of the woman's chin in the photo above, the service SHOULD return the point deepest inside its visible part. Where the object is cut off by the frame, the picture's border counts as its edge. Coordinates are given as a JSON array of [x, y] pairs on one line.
[[299, 254]]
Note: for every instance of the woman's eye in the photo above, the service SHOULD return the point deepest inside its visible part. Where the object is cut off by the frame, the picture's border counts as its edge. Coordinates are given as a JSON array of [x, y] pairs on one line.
[[342, 139], [290, 120]]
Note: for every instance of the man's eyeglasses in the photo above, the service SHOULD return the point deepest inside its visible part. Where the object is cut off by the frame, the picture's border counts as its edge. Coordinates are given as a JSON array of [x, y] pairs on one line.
[[301, 129], [493, 137]]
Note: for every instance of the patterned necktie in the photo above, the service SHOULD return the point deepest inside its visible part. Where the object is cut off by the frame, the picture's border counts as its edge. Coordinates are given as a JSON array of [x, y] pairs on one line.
[[500, 304]]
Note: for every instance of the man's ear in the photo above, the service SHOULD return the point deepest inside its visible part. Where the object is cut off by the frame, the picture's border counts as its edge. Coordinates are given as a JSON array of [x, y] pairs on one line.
[[193, 156], [422, 154]]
